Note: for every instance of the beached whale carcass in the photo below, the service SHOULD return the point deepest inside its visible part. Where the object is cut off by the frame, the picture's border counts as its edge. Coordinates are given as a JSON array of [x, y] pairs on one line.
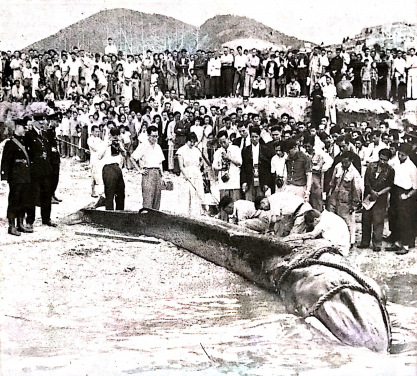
[[312, 281]]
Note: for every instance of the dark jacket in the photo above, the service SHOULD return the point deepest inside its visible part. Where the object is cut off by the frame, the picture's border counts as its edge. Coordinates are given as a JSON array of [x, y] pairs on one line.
[[52, 145], [14, 163], [378, 182], [274, 65], [264, 166], [39, 154]]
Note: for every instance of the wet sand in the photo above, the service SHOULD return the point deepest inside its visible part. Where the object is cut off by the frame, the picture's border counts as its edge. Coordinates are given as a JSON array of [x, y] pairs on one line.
[[76, 305]]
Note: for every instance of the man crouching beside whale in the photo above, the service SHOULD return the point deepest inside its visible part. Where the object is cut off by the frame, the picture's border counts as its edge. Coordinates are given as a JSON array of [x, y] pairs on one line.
[[325, 225], [244, 213]]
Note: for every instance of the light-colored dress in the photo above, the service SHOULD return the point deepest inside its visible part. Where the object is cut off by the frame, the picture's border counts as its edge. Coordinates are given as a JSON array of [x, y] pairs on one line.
[[191, 171]]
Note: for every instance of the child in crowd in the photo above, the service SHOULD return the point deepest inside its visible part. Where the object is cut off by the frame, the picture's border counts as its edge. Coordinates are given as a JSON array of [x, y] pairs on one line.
[[259, 87]]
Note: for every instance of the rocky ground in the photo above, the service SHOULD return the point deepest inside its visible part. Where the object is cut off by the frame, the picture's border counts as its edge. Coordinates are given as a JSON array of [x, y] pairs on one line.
[[76, 305]]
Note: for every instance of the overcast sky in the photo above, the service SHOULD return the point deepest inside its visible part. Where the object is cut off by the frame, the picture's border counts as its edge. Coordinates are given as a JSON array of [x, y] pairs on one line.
[[23, 22]]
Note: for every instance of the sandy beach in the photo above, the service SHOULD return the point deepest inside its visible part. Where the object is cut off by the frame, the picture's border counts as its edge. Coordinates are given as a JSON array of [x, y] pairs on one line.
[[78, 305]]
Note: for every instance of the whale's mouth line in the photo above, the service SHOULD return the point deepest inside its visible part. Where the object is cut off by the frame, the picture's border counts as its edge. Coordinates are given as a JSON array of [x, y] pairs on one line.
[[347, 301], [362, 286]]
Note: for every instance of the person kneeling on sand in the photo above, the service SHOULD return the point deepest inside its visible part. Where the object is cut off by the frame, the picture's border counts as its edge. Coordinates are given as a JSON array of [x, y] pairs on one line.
[[324, 225], [244, 214], [286, 211]]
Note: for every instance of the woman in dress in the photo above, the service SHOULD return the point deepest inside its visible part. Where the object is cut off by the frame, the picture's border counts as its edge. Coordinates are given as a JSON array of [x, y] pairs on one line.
[[189, 160]]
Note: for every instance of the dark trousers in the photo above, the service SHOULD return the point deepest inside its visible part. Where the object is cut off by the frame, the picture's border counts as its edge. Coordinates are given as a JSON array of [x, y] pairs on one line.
[[373, 222], [239, 78], [215, 86], [84, 145], [402, 217], [19, 195], [54, 178], [258, 93], [226, 81], [192, 93], [114, 186], [201, 76], [42, 196]]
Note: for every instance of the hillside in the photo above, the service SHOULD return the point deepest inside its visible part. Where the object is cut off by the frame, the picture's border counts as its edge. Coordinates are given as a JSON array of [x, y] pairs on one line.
[[135, 31], [132, 31], [220, 29]]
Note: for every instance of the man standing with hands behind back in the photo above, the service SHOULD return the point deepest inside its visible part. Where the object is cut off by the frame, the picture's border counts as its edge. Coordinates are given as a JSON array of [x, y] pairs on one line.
[[149, 155]]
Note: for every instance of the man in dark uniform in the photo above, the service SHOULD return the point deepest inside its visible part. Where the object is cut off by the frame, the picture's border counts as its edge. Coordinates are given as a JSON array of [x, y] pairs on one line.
[[15, 169], [40, 171], [55, 158]]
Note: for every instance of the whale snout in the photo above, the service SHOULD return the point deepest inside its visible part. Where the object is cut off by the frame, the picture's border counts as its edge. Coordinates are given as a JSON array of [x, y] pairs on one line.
[[356, 319]]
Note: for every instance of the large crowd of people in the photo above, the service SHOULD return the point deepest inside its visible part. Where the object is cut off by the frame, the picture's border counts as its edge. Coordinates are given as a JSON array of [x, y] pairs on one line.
[[384, 74], [291, 176]]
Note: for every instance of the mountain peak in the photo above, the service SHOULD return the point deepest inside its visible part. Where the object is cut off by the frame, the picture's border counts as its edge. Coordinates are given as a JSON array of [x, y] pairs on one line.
[[134, 32]]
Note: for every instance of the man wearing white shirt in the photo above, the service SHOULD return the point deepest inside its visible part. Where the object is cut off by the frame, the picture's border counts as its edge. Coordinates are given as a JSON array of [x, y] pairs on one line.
[[412, 74], [239, 76], [112, 160], [325, 225], [244, 214], [63, 64], [227, 161], [315, 68], [325, 58], [227, 61], [286, 211], [73, 68], [214, 72], [149, 156], [111, 48], [96, 146], [246, 107], [65, 134], [398, 72], [252, 64], [129, 67], [87, 66], [180, 105], [17, 91], [374, 147], [402, 201]]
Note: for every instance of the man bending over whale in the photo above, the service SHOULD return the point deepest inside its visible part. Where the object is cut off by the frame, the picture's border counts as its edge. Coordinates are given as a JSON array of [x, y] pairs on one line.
[[243, 213], [325, 225], [286, 211]]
